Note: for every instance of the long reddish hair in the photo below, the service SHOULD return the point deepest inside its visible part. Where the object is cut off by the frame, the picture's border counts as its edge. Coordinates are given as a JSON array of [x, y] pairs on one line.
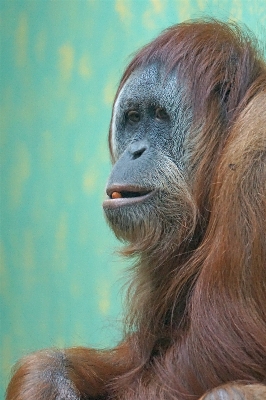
[[201, 311]]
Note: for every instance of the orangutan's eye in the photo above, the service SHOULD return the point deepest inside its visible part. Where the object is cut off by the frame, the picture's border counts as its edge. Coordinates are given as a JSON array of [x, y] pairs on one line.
[[161, 114], [133, 116]]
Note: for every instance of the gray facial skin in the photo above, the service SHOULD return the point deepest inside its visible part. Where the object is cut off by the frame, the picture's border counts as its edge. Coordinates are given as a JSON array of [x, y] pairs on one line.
[[145, 91], [150, 123]]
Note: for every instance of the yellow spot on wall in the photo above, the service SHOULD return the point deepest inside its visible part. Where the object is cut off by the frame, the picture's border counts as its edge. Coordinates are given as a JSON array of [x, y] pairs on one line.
[[85, 69], [40, 46], [148, 20], [122, 7], [60, 342], [104, 297], [21, 40], [109, 91], [185, 9], [236, 10], [66, 61], [19, 173], [201, 4], [89, 182], [154, 10], [104, 305], [158, 6]]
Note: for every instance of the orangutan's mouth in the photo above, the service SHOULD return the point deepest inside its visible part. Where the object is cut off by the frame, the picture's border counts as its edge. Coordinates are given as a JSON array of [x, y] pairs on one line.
[[125, 195]]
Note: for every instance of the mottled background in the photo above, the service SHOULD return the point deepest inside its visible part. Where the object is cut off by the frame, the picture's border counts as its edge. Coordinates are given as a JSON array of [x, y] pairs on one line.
[[60, 65]]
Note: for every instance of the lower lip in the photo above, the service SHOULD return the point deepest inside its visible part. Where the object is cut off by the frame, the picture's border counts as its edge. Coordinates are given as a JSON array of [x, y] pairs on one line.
[[125, 201]]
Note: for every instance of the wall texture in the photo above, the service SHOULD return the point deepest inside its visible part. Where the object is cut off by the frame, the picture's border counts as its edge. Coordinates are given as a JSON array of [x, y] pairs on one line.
[[60, 65]]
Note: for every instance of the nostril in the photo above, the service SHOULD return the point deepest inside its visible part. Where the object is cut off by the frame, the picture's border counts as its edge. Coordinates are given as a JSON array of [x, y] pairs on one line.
[[137, 153]]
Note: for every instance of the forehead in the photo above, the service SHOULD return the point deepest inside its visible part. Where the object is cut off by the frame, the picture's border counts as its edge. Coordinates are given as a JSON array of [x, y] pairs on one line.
[[150, 83], [149, 76]]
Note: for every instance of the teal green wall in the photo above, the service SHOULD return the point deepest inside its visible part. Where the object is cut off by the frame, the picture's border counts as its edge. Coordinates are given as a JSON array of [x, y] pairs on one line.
[[60, 65]]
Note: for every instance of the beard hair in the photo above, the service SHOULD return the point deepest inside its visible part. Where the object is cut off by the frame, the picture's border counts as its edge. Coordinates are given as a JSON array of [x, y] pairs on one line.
[[162, 221]]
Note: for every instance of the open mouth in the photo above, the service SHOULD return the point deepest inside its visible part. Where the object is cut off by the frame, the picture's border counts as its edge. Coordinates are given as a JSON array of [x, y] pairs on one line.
[[121, 195]]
